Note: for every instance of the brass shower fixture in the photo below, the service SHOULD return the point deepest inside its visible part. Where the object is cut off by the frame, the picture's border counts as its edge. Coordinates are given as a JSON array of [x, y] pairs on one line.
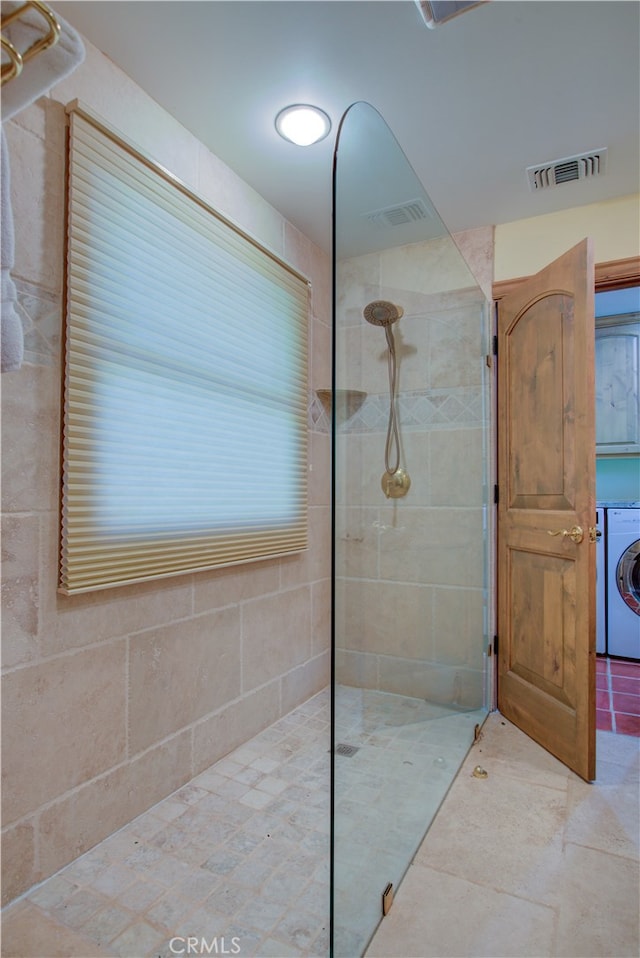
[[395, 481]]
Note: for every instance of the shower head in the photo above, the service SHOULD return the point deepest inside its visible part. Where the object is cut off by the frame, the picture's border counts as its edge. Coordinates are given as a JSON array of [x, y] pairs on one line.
[[382, 313]]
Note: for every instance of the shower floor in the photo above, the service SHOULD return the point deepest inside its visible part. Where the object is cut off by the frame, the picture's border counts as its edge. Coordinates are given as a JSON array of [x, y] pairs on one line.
[[386, 795], [239, 857]]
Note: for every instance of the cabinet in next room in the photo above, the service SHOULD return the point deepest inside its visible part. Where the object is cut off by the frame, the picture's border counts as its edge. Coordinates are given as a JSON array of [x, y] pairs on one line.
[[617, 385]]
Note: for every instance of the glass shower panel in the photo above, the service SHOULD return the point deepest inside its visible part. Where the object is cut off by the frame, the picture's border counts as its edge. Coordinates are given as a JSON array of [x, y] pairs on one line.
[[410, 418]]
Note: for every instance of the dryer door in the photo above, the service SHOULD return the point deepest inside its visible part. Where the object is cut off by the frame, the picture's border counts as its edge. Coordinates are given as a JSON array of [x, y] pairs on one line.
[[628, 576]]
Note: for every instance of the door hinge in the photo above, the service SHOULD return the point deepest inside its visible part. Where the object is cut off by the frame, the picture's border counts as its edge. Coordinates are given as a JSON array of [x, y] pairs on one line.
[[494, 351], [495, 645], [387, 899], [496, 494]]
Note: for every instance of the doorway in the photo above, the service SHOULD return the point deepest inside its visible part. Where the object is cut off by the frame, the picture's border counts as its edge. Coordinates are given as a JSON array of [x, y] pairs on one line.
[[538, 663]]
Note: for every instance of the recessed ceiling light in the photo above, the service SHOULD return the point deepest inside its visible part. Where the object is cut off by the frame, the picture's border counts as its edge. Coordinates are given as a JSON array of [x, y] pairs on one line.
[[303, 124]]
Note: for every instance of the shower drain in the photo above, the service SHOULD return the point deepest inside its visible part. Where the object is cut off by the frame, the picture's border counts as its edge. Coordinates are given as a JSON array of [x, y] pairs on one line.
[[347, 750]]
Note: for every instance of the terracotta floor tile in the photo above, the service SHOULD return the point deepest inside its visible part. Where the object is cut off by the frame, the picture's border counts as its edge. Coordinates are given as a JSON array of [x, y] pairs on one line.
[[627, 724], [604, 720], [625, 683], [623, 679], [620, 667], [626, 703]]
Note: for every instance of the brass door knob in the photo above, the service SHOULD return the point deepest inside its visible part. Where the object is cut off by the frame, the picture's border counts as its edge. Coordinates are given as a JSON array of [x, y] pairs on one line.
[[575, 533]]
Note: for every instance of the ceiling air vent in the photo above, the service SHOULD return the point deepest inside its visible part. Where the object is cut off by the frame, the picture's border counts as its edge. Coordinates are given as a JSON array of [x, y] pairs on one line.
[[408, 212], [580, 167]]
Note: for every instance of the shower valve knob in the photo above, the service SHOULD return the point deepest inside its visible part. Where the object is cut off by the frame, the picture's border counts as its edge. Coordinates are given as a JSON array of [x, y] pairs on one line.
[[396, 484]]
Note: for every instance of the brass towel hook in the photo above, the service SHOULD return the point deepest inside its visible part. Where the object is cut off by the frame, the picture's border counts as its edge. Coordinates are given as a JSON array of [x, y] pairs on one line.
[[16, 59], [14, 67]]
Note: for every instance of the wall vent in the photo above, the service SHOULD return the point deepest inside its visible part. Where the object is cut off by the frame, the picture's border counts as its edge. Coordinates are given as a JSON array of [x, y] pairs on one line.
[[409, 212], [555, 172]]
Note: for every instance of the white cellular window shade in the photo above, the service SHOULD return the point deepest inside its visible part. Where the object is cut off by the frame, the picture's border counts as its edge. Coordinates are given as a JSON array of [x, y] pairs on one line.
[[185, 407]]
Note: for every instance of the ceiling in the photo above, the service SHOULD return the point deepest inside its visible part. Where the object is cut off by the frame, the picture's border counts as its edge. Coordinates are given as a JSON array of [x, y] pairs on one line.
[[472, 102]]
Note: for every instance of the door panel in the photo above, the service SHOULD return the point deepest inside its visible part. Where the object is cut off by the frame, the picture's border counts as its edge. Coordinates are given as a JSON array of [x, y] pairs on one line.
[[546, 474], [537, 472]]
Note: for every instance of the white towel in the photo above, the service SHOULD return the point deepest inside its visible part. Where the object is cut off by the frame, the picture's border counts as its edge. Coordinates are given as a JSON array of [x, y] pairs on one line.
[[38, 75], [46, 68]]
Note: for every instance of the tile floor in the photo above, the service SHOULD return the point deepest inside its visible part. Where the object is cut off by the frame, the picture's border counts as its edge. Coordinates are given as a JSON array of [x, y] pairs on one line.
[[618, 696], [386, 794], [530, 861], [240, 855], [237, 859]]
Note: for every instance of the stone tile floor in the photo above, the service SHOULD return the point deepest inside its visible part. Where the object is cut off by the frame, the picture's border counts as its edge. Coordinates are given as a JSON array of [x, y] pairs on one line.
[[386, 794], [530, 861], [237, 859]]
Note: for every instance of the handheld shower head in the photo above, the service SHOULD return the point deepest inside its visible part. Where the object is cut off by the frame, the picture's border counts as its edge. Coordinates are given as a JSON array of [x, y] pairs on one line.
[[382, 313], [395, 481]]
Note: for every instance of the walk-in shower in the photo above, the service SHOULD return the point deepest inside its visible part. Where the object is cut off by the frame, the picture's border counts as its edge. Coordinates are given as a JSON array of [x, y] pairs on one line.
[[410, 570], [395, 481]]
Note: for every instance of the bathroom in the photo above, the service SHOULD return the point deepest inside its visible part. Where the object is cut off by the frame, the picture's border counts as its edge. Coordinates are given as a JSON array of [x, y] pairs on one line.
[[119, 740]]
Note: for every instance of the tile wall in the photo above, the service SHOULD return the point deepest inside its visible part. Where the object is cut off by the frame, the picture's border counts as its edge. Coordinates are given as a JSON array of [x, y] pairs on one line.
[[112, 700], [410, 590]]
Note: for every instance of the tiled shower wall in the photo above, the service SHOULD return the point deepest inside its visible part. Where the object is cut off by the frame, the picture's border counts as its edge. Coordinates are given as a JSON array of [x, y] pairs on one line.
[[410, 587], [114, 699]]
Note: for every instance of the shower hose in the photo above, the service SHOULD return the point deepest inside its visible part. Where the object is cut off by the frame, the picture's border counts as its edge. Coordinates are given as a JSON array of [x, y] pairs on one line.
[[392, 428]]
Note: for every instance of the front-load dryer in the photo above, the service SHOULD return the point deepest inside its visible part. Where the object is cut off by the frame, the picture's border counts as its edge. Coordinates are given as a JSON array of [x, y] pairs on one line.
[[601, 620], [623, 582]]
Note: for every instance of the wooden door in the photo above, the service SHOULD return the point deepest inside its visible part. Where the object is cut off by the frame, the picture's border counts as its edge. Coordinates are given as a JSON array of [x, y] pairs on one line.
[[546, 482]]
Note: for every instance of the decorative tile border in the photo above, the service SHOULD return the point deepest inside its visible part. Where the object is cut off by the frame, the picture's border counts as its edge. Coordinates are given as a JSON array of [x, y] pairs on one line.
[[40, 312], [422, 409], [317, 418], [41, 315]]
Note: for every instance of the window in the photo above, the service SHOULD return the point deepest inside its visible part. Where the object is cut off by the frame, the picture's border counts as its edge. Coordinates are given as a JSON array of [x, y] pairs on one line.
[[185, 383]]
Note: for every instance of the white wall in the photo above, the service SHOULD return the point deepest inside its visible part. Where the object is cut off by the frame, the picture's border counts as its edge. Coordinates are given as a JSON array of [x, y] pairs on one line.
[[526, 246]]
